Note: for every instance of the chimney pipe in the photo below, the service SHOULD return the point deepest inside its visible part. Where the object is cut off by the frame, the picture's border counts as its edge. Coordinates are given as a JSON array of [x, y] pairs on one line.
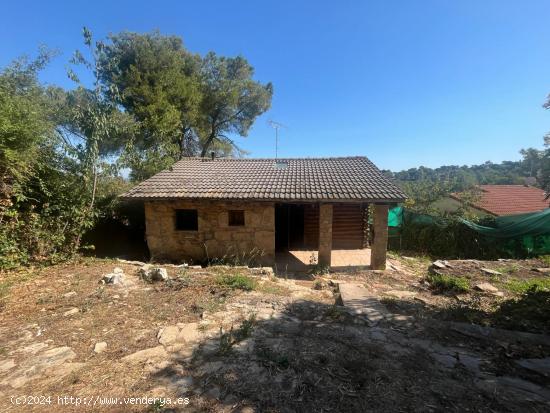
[[212, 155]]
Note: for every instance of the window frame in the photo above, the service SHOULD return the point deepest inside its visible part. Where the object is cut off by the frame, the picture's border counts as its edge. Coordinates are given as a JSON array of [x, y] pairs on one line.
[[194, 213], [231, 218]]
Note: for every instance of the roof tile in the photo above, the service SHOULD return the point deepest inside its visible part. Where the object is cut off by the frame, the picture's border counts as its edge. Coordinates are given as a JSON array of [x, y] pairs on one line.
[[349, 178], [510, 199]]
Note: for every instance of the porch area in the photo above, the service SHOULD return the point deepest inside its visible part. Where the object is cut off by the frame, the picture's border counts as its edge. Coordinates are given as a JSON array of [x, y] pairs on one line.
[[302, 261], [340, 236]]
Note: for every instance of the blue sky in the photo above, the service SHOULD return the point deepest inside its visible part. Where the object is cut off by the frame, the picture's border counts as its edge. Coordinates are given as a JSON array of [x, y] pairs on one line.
[[407, 83]]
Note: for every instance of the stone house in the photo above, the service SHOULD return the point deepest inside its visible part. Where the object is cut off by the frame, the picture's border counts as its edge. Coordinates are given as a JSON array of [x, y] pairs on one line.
[[204, 208]]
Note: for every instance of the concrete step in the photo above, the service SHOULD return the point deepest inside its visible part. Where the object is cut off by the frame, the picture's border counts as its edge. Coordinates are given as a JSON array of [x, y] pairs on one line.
[[358, 301]]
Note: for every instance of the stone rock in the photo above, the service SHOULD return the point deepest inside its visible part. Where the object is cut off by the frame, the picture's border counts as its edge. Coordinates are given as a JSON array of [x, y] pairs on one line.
[[190, 332], [131, 262], [168, 335], [213, 392], [151, 274], [153, 353], [246, 409], [69, 294], [118, 270], [32, 348], [71, 312], [6, 365], [401, 294], [63, 370], [117, 279], [262, 271], [100, 347], [357, 300], [542, 270], [179, 335], [486, 287], [37, 365], [490, 271], [514, 388], [540, 366], [159, 274], [440, 264]]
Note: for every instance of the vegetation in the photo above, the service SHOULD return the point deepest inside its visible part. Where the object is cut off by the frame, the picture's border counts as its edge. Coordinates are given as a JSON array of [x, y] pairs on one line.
[[185, 105], [232, 337], [448, 283], [236, 282], [426, 186], [524, 286], [146, 102]]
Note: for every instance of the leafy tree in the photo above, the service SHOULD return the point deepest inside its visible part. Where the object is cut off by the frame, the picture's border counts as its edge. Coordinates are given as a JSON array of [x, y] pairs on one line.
[[544, 173], [156, 80], [39, 197], [231, 101], [92, 127], [186, 105], [426, 186], [24, 121]]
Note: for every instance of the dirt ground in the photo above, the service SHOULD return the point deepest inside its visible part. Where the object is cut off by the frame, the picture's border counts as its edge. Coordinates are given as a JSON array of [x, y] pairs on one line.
[[226, 339]]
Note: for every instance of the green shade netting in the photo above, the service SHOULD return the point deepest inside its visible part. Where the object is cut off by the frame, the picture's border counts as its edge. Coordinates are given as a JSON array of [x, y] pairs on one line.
[[514, 226], [528, 233], [395, 217]]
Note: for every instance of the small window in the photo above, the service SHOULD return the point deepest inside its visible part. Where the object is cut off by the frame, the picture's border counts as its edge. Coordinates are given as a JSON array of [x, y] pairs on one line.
[[187, 220], [236, 218]]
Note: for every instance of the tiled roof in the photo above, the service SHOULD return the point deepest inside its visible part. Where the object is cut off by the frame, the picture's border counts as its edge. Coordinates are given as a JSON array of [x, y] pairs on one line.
[[510, 199], [307, 179]]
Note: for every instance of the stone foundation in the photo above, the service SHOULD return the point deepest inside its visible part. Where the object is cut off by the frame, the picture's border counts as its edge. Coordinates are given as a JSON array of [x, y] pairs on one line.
[[214, 238]]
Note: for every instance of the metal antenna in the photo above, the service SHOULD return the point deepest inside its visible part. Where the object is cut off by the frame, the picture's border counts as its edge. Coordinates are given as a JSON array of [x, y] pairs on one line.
[[276, 126]]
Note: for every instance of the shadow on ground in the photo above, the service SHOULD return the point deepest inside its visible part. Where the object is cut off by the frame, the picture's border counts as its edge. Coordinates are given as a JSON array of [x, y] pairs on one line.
[[316, 357]]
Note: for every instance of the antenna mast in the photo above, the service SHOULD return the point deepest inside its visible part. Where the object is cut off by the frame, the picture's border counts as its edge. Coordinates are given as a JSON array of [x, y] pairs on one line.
[[276, 126]]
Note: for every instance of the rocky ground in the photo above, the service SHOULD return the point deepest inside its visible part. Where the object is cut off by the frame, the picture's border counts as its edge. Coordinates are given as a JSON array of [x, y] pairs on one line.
[[239, 340]]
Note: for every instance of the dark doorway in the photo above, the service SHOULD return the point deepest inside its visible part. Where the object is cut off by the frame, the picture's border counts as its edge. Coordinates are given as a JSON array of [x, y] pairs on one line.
[[289, 227]]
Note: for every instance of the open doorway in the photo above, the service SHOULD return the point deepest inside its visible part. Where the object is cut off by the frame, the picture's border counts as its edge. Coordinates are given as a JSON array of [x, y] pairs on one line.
[[296, 226], [289, 227]]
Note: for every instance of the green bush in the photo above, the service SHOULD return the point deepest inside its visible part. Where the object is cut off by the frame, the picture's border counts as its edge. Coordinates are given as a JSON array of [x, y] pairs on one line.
[[236, 282], [448, 283]]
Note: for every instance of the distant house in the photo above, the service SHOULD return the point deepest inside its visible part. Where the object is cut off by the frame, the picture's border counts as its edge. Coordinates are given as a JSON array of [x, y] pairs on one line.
[[204, 208], [497, 200]]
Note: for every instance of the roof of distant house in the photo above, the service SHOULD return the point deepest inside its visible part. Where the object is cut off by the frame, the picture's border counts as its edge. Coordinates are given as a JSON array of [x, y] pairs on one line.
[[509, 199], [305, 179]]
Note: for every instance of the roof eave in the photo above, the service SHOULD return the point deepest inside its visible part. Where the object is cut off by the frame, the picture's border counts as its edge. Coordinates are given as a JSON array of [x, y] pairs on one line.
[[252, 199]]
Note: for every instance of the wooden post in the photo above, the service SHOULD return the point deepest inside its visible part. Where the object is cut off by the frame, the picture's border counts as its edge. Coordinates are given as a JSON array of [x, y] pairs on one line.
[[325, 234], [380, 242]]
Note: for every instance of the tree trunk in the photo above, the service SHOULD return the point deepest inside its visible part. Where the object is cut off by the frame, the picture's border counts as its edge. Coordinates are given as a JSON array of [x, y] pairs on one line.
[[207, 144]]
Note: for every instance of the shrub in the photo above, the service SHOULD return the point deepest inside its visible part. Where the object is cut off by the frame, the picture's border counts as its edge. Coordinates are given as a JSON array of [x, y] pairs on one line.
[[236, 282], [448, 283]]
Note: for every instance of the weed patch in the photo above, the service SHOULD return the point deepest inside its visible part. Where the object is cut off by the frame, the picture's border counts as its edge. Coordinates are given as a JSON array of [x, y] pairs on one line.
[[229, 339], [270, 358], [448, 283], [236, 282], [523, 286]]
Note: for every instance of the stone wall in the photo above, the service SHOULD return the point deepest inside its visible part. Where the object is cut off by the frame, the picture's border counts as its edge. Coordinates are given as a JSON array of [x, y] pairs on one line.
[[214, 238]]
